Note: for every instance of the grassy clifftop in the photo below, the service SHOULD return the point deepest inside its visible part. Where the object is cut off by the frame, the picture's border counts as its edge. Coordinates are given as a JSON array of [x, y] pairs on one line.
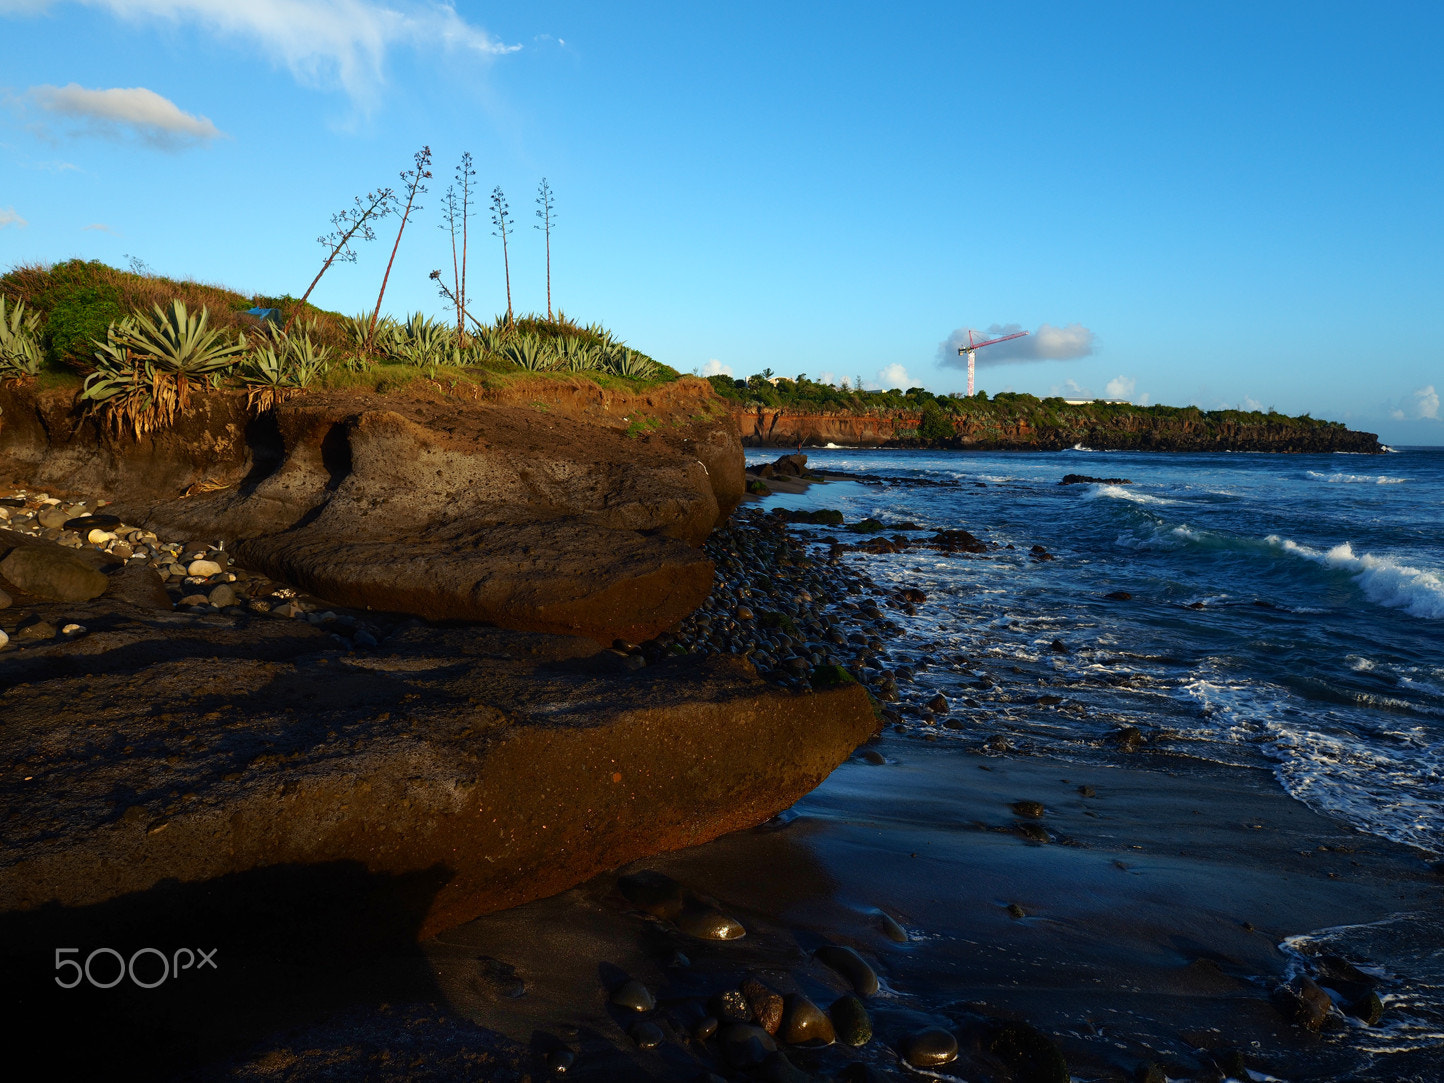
[[788, 412]]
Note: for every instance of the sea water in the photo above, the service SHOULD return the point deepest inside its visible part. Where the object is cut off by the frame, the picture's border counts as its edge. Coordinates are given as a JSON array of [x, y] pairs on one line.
[[1286, 610]]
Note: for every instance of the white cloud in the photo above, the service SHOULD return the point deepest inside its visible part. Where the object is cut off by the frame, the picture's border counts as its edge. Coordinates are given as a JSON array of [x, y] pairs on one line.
[[324, 43], [99, 227], [1120, 387], [1250, 403], [8, 217], [124, 111], [1071, 389], [1421, 405], [895, 375], [716, 368], [1047, 343]]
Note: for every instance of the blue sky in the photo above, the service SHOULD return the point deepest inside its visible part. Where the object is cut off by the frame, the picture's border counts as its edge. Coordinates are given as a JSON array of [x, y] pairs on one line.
[[1218, 204]]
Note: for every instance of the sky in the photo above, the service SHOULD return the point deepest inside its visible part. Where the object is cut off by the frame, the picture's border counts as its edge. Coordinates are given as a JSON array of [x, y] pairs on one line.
[[1229, 205]]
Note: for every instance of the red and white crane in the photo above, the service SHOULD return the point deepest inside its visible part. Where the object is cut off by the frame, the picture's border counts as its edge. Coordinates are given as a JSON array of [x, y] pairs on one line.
[[971, 346]]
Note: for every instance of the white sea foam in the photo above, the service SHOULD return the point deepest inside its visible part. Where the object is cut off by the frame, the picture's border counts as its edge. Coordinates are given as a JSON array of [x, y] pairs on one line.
[[1357, 479], [1417, 591], [1079, 447], [1118, 492]]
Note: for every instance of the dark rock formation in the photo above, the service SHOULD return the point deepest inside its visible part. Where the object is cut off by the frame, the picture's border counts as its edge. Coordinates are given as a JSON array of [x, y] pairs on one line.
[[503, 766]]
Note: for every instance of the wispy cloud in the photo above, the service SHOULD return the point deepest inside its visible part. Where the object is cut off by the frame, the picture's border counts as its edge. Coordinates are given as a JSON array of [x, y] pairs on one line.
[[122, 112], [324, 43], [100, 227], [8, 217], [1421, 405], [1047, 343]]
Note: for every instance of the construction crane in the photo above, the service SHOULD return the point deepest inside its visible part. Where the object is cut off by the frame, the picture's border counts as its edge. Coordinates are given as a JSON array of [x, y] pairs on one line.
[[971, 346]]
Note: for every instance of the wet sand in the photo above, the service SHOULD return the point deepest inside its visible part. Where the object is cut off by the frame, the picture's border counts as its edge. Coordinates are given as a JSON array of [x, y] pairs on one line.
[[1147, 930]]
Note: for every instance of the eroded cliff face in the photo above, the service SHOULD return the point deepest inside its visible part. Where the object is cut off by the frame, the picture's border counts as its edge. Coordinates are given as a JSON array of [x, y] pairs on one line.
[[548, 505], [769, 427]]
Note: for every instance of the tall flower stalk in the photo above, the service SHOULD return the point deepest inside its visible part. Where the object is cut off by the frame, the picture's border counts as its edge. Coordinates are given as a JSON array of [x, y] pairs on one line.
[[414, 180]]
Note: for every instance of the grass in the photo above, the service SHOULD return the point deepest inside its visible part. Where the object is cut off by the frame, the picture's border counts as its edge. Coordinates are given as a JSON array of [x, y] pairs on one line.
[[78, 300]]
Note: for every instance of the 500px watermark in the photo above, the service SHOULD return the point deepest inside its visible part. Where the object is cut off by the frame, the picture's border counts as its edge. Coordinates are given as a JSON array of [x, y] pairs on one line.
[[149, 968]]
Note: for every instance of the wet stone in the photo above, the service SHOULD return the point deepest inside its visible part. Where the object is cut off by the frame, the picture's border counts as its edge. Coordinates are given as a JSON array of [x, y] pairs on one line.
[[930, 1048], [647, 1035], [634, 996], [766, 1004], [705, 1028], [708, 923], [850, 966], [1032, 810], [730, 1006], [804, 1023], [850, 1021], [885, 924]]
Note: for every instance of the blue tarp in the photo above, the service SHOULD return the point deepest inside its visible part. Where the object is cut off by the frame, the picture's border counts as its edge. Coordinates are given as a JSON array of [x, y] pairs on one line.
[[264, 313]]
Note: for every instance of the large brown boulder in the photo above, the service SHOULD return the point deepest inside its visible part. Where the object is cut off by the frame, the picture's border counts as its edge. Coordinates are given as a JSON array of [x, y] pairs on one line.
[[48, 571]]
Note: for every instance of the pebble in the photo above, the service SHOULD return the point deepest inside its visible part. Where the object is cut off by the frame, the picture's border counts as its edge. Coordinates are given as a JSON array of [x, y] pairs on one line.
[[222, 596], [766, 1004], [1032, 810], [634, 995], [708, 923], [850, 1021], [930, 1048], [73, 631], [203, 568], [730, 1006], [36, 629], [804, 1023], [850, 966], [889, 927], [705, 1028], [4, 637], [560, 1060]]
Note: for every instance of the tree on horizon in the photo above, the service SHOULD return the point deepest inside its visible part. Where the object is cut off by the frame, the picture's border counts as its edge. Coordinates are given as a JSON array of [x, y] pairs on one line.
[[414, 180], [500, 218], [546, 211]]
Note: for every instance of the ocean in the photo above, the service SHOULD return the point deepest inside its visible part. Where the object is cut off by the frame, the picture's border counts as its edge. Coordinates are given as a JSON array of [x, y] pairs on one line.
[[1283, 611]]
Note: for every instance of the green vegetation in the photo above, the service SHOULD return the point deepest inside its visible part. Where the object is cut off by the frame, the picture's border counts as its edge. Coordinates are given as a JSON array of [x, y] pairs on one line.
[[935, 419], [137, 346]]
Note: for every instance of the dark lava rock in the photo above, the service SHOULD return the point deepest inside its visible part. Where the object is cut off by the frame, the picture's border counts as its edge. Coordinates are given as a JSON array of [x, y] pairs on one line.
[[730, 1006], [48, 571], [1016, 912], [850, 1021], [1303, 1003], [938, 704], [850, 966], [1032, 810], [956, 541], [84, 523], [866, 526], [1128, 738], [873, 756], [1038, 553], [36, 628], [821, 517], [1029, 1053], [1058, 647], [911, 594], [930, 1048], [995, 742], [1084, 479], [1049, 701], [1119, 596], [1033, 832]]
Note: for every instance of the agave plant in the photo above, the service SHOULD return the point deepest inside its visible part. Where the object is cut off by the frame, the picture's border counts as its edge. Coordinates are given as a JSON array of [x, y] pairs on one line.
[[19, 343], [530, 352], [124, 385], [628, 362]]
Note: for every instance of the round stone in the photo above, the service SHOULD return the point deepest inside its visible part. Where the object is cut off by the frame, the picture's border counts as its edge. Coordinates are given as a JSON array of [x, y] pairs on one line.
[[930, 1047], [804, 1023], [634, 995], [850, 1021], [96, 536], [705, 1028], [203, 568], [4, 637], [850, 966], [708, 923], [73, 631], [1032, 810], [222, 596]]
